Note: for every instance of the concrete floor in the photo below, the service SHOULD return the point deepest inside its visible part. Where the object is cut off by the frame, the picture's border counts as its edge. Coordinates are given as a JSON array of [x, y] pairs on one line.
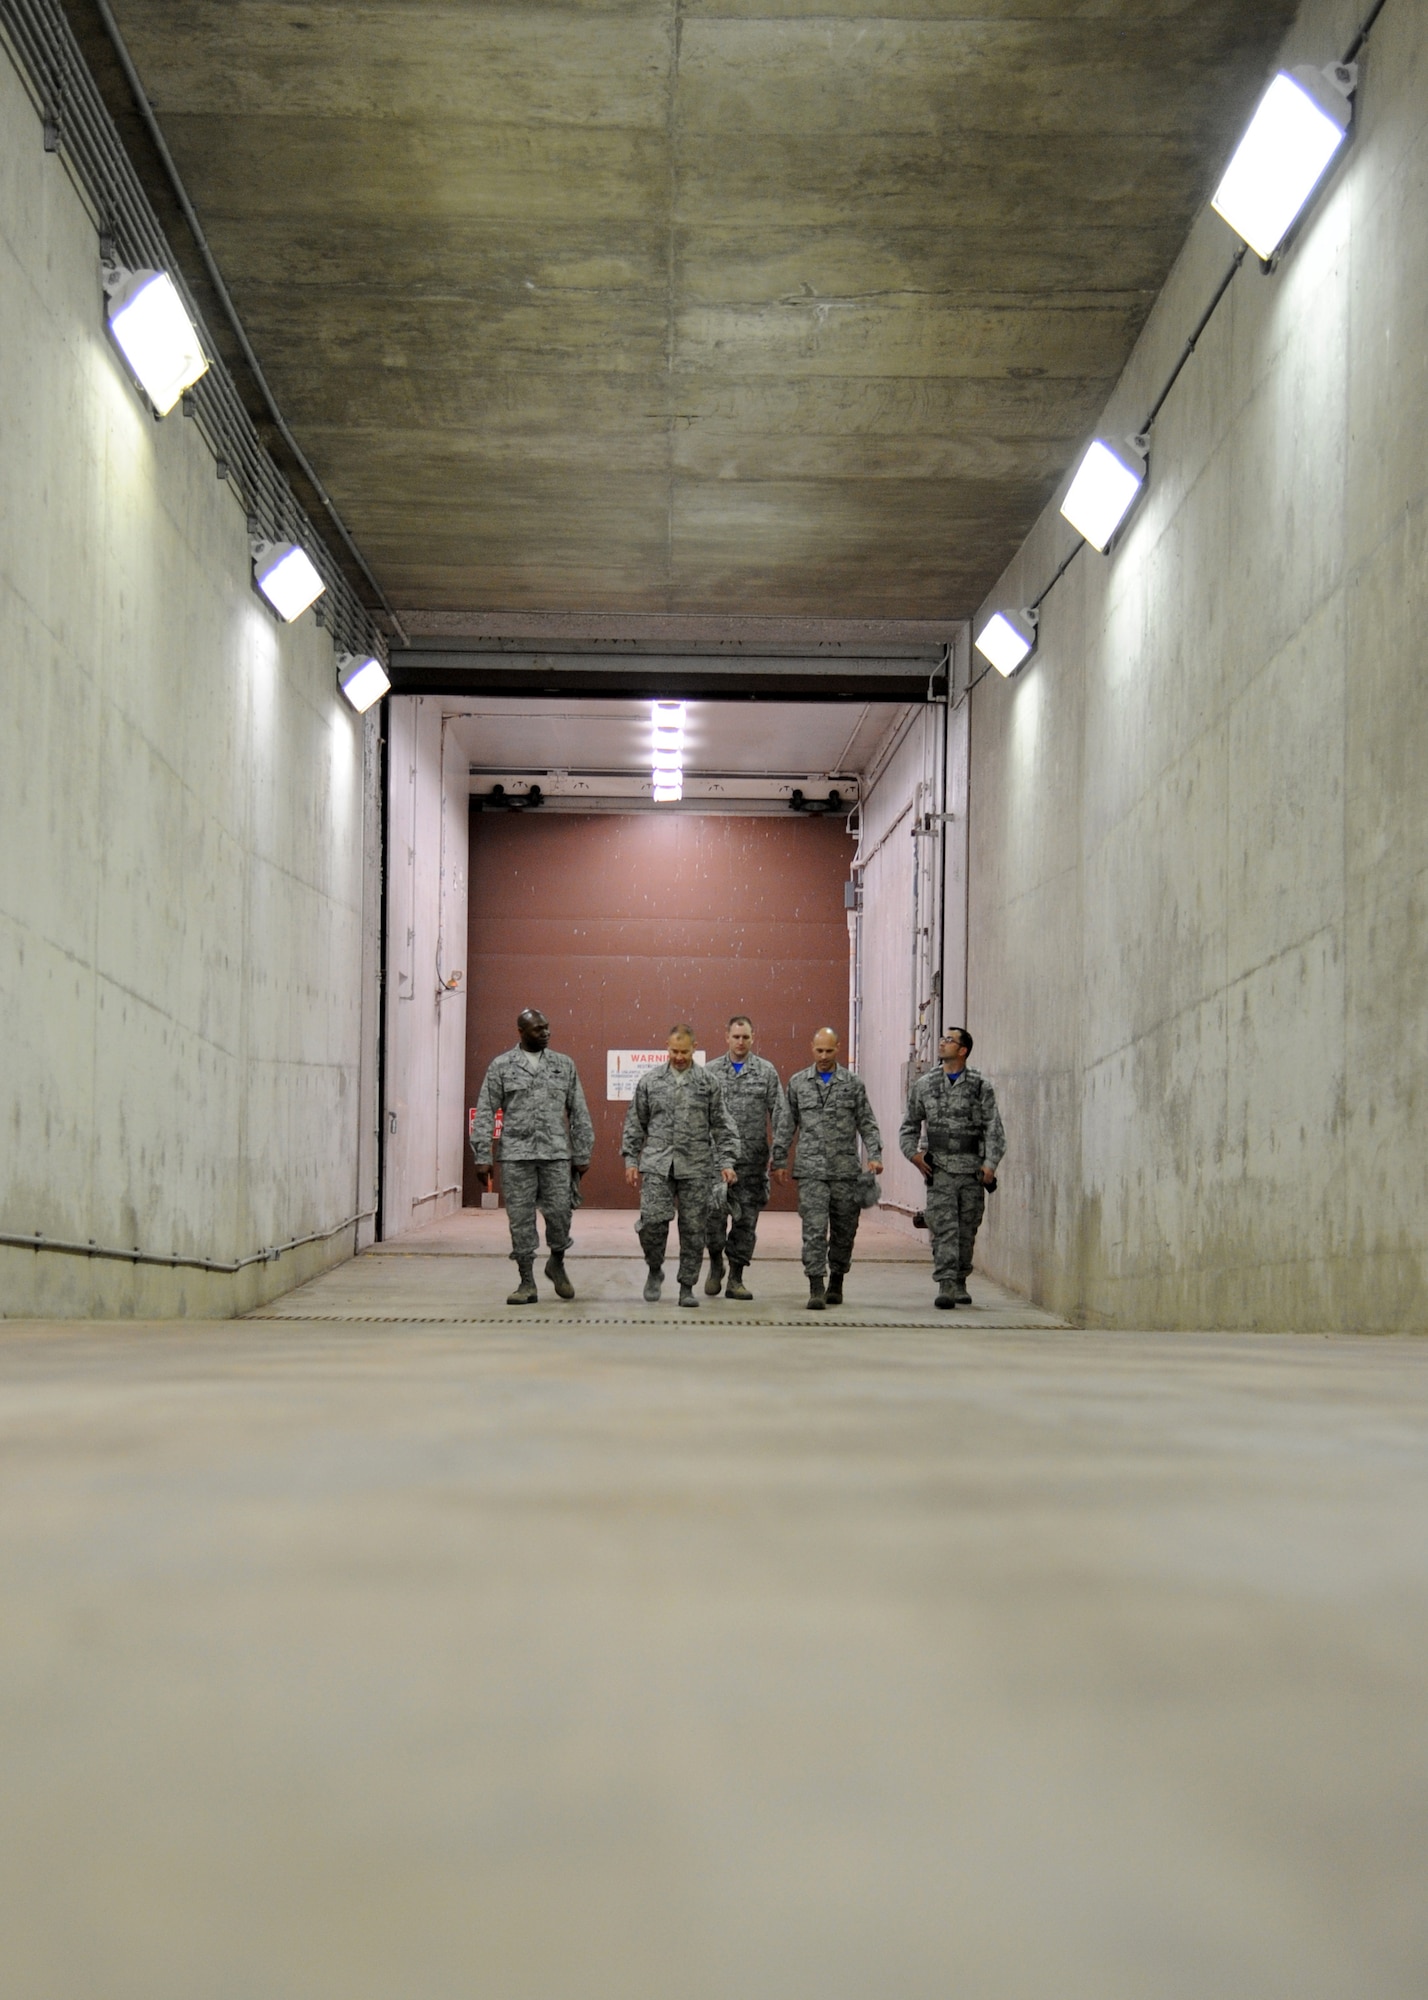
[[465, 1274], [365, 1650]]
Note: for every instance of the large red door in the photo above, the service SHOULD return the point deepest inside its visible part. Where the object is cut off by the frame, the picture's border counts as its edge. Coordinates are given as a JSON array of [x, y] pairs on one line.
[[618, 925]]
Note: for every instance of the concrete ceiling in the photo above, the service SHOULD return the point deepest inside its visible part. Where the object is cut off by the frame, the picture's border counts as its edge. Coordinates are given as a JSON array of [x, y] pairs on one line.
[[791, 308]]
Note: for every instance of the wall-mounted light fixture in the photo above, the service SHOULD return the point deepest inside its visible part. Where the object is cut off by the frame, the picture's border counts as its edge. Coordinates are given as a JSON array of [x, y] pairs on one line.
[[287, 577], [362, 678], [667, 761], [1008, 640], [1105, 488], [154, 333], [1298, 126]]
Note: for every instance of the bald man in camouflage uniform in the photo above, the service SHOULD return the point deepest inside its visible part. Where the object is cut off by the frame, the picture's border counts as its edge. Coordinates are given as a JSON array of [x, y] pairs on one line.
[[827, 1112], [546, 1142], [965, 1142], [754, 1097], [678, 1135]]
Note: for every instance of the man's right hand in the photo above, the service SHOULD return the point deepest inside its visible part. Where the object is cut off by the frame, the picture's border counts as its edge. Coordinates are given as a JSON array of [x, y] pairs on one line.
[[487, 1178], [780, 1174], [924, 1167], [632, 1176]]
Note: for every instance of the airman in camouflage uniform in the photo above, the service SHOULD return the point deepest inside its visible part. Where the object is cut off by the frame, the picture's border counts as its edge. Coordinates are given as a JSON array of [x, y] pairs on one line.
[[677, 1136], [827, 1111], [753, 1096], [546, 1142], [964, 1146]]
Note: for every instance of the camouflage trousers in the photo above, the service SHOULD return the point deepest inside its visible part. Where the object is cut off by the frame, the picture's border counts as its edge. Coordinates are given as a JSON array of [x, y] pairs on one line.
[[662, 1197], [830, 1212], [955, 1202], [734, 1218], [528, 1185]]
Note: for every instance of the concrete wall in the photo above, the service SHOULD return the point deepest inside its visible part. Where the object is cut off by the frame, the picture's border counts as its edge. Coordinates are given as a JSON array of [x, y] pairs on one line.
[[1200, 862], [424, 1136], [904, 931], [182, 797]]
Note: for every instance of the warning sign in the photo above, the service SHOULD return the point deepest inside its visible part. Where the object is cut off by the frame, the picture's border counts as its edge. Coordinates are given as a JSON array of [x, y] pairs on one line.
[[624, 1067]]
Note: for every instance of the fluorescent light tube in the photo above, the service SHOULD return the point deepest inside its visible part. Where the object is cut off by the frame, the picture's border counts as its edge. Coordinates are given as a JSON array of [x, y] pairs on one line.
[[287, 578], [1296, 130], [667, 775], [362, 680], [157, 337], [1007, 640], [1101, 494]]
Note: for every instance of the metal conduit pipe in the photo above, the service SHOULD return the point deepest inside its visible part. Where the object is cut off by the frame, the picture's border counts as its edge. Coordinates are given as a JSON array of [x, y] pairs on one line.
[[155, 131], [77, 126], [61, 1248]]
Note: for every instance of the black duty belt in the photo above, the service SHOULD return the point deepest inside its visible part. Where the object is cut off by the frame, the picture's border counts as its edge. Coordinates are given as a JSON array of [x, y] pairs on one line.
[[960, 1146]]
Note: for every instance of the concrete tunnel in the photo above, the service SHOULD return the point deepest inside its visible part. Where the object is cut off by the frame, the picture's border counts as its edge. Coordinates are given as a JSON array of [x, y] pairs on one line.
[[997, 433]]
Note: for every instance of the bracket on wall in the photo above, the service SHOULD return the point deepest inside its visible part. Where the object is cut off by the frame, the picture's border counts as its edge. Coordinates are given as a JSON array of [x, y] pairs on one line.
[[834, 803], [498, 799]]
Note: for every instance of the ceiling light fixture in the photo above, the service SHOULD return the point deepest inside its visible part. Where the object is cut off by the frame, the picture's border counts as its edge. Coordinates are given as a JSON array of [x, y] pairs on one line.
[[287, 578], [1008, 640], [154, 333], [667, 764], [1298, 126], [362, 678], [1101, 494]]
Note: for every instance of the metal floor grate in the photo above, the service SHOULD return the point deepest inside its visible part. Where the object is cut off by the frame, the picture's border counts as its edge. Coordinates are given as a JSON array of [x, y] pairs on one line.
[[989, 1319]]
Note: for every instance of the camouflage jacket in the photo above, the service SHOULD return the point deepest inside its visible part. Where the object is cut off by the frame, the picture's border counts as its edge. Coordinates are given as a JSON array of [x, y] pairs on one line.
[[754, 1098], [544, 1114], [961, 1118], [828, 1122], [679, 1128]]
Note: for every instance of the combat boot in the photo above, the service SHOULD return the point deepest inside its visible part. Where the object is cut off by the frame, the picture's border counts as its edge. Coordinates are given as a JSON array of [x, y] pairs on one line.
[[654, 1284], [686, 1296], [715, 1279], [961, 1296], [815, 1295], [556, 1272], [736, 1288], [946, 1299], [834, 1293], [525, 1293]]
